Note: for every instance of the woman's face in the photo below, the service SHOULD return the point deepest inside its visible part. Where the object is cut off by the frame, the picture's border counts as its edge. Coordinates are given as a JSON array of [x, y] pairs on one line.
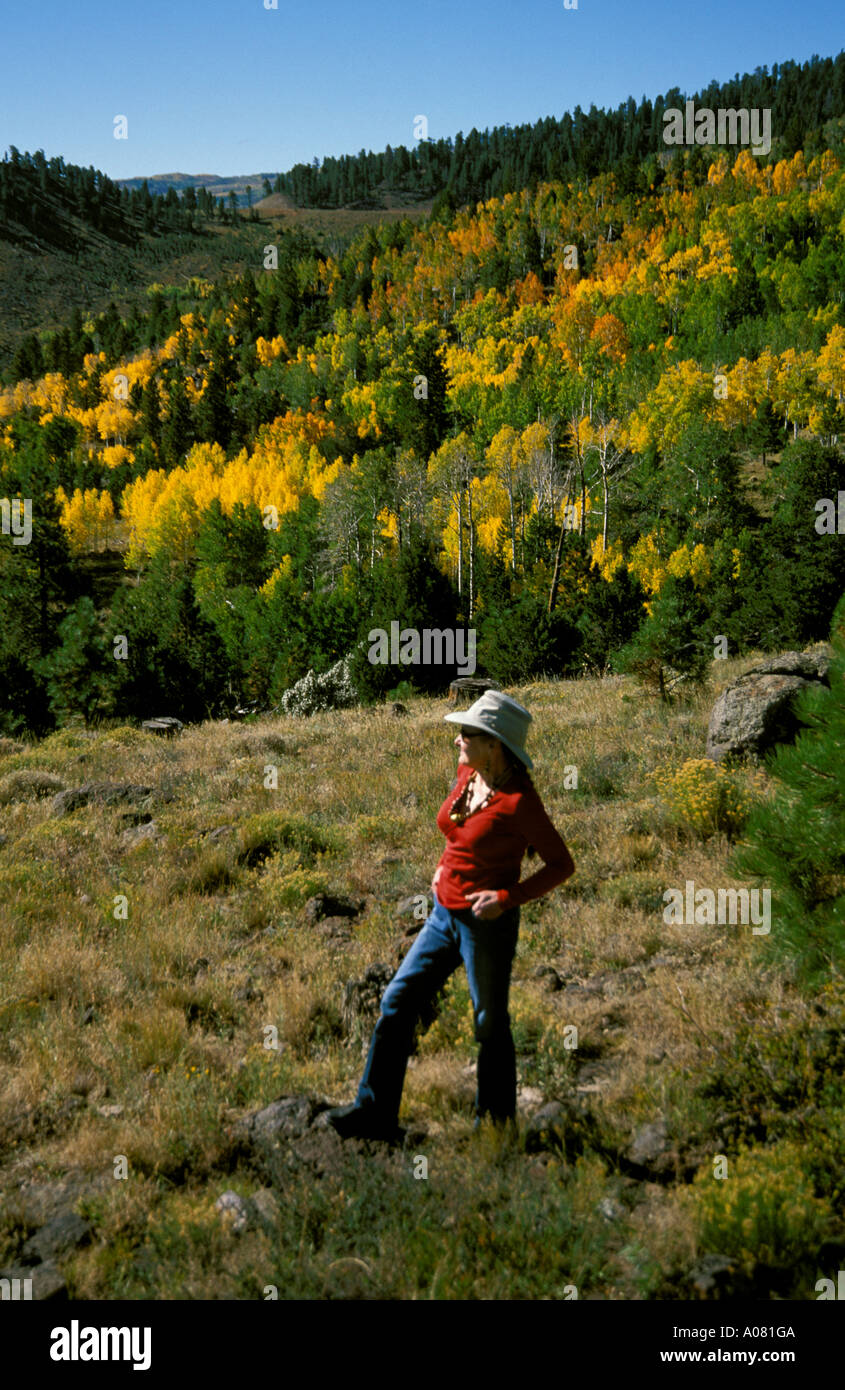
[[474, 749]]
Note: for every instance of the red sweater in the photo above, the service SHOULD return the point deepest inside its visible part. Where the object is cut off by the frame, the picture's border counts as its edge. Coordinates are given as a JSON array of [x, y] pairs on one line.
[[486, 851]]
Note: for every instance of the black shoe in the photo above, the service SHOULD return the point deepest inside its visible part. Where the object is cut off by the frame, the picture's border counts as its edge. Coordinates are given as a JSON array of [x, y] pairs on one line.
[[358, 1122]]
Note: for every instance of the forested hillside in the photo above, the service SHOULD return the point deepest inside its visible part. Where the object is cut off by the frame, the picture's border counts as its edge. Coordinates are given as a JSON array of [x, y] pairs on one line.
[[600, 426], [807, 104]]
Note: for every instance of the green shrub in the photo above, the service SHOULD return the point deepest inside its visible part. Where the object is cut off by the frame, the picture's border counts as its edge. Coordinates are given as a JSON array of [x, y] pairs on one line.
[[643, 891], [269, 832], [783, 1080], [295, 887], [389, 830], [601, 776]]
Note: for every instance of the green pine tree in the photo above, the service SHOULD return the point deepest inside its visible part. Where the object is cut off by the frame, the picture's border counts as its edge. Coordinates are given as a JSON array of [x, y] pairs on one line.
[[177, 662], [795, 841], [80, 672], [177, 433], [520, 639], [37, 582], [675, 638], [414, 592], [213, 414], [610, 616]]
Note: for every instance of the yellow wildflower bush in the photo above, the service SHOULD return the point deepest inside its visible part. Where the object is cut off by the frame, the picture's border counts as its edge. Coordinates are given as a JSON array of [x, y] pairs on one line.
[[380, 829], [705, 798], [295, 887], [763, 1211]]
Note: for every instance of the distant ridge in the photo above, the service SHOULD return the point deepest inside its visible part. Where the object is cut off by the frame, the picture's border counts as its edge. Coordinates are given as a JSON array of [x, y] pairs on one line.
[[219, 185]]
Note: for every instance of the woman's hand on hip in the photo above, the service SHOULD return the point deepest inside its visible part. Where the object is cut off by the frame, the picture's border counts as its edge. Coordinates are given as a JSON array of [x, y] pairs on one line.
[[485, 904]]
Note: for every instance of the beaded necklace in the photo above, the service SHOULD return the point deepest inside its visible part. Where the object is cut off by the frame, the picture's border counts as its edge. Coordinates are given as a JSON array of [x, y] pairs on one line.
[[460, 816]]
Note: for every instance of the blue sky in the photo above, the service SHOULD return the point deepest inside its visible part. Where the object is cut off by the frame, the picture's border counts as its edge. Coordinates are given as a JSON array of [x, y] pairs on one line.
[[231, 87]]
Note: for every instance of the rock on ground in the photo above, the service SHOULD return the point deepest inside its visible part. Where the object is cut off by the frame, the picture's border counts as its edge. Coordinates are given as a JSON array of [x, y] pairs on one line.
[[165, 724], [102, 793], [328, 905], [756, 711], [292, 1133], [561, 1125], [40, 1283], [649, 1142]]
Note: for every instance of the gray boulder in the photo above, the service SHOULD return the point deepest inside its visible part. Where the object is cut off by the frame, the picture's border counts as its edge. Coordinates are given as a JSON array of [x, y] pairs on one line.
[[139, 834], [282, 1120], [335, 929], [712, 1276], [41, 1283], [102, 793], [63, 1234], [560, 1125], [649, 1143], [264, 1134], [258, 1212], [265, 1137], [166, 725], [234, 1212], [756, 711]]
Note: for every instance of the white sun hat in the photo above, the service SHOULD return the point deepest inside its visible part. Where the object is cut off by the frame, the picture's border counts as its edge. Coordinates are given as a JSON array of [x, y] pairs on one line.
[[501, 717]]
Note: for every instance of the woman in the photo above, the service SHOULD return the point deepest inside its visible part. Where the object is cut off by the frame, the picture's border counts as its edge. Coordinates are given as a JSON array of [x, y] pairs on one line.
[[491, 816]]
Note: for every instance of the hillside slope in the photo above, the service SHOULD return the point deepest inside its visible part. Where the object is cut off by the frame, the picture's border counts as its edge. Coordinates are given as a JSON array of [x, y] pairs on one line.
[[211, 993]]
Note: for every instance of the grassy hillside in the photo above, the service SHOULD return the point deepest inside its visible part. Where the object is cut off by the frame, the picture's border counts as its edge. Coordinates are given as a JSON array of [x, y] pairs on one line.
[[143, 1035], [43, 286]]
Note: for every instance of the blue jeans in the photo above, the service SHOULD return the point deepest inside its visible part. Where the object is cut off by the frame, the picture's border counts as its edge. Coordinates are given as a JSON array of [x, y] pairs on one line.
[[487, 951]]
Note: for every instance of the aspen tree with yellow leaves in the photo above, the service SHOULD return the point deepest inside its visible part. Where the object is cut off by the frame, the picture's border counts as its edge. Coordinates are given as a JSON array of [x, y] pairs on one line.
[[505, 461], [88, 518], [452, 472]]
